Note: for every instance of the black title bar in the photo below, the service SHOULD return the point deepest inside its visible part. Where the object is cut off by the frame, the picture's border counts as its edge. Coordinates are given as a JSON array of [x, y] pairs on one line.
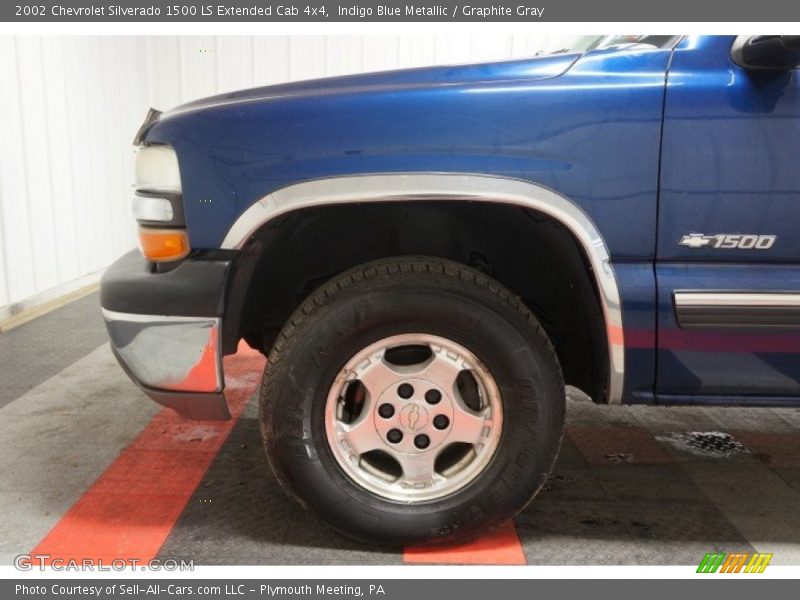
[[390, 589], [277, 11]]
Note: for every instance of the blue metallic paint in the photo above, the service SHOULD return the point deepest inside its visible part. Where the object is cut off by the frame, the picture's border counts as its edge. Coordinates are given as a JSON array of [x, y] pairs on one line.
[[729, 165], [726, 361], [638, 293], [730, 154], [517, 119], [588, 126]]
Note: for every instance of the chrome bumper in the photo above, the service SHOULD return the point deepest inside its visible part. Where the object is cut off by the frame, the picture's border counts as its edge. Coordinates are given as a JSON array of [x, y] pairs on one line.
[[177, 361]]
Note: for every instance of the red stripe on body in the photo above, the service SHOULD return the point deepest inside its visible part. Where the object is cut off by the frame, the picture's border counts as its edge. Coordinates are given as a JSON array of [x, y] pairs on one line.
[[707, 341]]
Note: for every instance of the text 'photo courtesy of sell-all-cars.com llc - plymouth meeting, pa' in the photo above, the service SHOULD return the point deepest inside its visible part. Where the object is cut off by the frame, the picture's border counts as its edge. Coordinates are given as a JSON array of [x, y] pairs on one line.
[[427, 256]]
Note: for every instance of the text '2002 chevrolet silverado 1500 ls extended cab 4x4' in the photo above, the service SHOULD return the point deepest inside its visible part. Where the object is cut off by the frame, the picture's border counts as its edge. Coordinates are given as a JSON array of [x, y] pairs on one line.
[[427, 256]]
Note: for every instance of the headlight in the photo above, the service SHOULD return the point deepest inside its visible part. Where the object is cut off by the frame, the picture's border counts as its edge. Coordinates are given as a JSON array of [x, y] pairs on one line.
[[152, 208], [158, 205], [157, 169]]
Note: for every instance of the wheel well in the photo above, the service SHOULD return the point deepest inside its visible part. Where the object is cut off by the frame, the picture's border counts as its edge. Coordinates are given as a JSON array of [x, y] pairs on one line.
[[530, 253]]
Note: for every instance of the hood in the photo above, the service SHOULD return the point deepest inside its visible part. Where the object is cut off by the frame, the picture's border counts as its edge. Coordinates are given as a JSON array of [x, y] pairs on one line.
[[529, 69]]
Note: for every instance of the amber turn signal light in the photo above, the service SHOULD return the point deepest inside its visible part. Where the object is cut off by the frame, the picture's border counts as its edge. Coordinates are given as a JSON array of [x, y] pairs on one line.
[[161, 245]]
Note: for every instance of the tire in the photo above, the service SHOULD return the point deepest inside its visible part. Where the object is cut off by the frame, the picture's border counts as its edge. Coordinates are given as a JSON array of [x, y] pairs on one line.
[[432, 299]]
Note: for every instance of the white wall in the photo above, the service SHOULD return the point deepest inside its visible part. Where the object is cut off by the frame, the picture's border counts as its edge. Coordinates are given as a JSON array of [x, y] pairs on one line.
[[69, 107]]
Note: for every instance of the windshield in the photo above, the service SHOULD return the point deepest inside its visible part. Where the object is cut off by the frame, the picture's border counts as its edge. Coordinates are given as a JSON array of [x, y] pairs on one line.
[[603, 42]]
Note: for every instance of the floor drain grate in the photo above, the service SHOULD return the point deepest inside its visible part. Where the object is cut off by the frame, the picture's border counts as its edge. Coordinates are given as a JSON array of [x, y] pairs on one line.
[[706, 443]]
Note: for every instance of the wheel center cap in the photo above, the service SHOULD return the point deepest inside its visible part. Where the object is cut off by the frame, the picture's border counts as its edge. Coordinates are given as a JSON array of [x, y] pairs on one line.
[[413, 417]]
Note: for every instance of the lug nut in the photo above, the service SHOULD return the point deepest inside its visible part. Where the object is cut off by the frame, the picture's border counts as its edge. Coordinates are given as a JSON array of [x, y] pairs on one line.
[[433, 396], [405, 391], [386, 411], [441, 422], [422, 441], [394, 436]]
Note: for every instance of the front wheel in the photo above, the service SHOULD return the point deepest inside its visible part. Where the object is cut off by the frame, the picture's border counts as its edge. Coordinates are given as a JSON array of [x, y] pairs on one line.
[[412, 400]]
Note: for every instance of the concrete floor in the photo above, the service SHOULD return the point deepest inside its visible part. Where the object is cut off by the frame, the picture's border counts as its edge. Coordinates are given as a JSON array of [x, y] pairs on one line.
[[628, 488]]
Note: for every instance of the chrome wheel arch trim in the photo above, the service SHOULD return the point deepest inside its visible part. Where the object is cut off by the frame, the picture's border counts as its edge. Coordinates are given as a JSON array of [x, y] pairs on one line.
[[406, 187]]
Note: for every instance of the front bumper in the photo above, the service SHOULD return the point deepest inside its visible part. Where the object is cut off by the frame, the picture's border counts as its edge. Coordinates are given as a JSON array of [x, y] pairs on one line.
[[165, 331]]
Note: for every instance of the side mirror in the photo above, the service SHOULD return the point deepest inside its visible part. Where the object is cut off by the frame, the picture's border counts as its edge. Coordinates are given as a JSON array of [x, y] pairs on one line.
[[766, 51]]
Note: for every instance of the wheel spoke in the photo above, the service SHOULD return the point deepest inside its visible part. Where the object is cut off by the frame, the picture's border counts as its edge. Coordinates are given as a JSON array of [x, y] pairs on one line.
[[377, 375], [442, 369], [468, 425], [417, 468], [362, 435], [409, 406]]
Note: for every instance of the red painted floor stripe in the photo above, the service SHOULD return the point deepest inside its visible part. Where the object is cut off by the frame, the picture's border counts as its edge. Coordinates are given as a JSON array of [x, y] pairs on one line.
[[500, 547], [130, 510], [610, 445], [776, 448]]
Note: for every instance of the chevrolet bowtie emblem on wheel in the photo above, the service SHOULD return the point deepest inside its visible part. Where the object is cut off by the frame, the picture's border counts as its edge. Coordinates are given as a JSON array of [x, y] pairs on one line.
[[413, 417], [729, 241]]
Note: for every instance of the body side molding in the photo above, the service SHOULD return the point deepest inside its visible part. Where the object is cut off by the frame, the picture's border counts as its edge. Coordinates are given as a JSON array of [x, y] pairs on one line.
[[696, 309], [445, 186]]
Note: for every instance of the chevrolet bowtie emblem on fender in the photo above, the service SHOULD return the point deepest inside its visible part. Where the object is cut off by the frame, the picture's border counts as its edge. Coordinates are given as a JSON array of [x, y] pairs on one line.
[[728, 241], [695, 240]]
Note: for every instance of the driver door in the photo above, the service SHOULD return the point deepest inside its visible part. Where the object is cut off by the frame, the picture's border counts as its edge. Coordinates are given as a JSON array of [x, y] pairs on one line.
[[728, 250]]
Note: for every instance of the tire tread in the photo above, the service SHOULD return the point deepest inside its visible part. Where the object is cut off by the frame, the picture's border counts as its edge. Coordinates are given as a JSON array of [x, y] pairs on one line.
[[375, 272]]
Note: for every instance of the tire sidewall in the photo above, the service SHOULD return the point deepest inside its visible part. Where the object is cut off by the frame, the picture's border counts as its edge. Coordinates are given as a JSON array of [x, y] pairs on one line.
[[514, 350]]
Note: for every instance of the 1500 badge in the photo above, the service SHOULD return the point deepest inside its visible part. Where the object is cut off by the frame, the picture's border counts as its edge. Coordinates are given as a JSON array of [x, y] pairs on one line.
[[727, 241]]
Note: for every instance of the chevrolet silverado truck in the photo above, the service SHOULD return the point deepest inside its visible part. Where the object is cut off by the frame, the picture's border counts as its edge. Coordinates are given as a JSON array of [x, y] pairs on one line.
[[428, 256]]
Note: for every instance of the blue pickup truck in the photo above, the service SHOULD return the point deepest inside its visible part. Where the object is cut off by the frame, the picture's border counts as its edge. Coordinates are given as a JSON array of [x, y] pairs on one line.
[[428, 256]]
